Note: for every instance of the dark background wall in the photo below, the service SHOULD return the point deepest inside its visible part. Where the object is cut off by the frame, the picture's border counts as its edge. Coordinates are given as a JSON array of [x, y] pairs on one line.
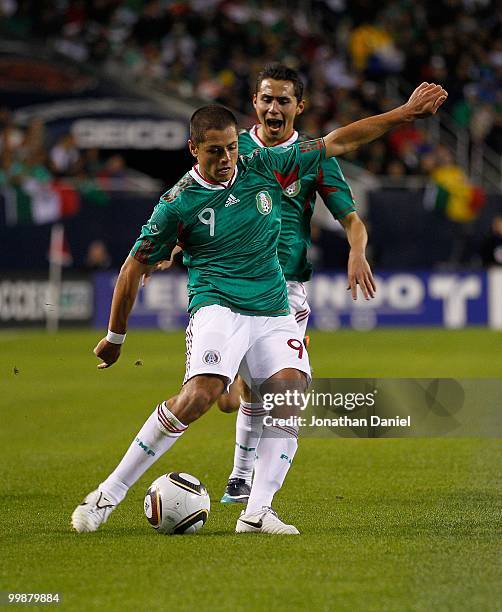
[[403, 235]]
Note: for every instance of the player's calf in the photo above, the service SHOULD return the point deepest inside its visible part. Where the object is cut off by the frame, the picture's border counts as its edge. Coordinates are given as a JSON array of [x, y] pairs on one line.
[[196, 397], [227, 404]]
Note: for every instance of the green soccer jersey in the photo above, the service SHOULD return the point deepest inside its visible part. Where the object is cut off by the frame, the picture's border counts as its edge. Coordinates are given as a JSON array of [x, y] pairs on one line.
[[300, 196], [229, 232]]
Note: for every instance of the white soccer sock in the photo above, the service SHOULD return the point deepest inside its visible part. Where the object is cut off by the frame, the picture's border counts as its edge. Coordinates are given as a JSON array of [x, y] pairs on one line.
[[248, 430], [158, 434], [274, 456]]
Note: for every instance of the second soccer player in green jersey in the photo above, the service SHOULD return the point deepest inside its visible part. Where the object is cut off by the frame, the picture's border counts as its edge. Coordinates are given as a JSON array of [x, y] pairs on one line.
[[278, 101]]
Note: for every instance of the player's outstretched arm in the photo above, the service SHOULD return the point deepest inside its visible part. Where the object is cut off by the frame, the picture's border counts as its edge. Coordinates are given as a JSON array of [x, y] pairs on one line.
[[423, 102], [124, 296], [358, 270]]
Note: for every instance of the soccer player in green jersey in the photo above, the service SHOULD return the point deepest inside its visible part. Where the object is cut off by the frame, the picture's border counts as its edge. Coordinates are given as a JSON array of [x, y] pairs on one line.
[[278, 101], [240, 320]]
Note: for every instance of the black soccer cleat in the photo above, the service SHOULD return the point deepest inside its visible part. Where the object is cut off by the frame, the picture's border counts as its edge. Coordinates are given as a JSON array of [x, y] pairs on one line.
[[237, 492]]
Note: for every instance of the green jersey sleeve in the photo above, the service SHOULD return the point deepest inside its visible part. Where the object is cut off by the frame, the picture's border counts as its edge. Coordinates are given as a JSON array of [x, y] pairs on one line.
[[288, 164], [334, 189], [159, 235]]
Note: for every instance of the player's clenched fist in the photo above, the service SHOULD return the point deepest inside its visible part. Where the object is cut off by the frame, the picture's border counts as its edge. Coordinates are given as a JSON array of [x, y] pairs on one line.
[[425, 100], [107, 352]]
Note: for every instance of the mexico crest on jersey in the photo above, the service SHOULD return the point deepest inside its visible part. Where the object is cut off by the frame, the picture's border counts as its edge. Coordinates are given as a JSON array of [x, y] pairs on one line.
[[292, 190], [263, 202]]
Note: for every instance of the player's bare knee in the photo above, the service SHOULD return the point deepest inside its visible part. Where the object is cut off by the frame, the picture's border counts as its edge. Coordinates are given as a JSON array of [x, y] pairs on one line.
[[287, 378], [283, 392]]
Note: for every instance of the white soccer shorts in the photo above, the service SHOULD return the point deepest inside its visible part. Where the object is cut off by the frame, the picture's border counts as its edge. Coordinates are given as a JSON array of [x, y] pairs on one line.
[[218, 340], [298, 305]]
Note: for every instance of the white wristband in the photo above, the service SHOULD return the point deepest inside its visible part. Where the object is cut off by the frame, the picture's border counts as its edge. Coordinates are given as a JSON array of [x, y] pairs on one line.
[[115, 338]]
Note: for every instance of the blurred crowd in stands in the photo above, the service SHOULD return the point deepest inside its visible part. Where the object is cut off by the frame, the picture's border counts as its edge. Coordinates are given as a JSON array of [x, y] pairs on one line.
[[357, 58], [25, 156], [345, 50]]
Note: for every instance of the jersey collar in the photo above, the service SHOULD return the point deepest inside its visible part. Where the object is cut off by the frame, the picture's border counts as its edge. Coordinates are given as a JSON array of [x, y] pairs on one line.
[[197, 176], [253, 132]]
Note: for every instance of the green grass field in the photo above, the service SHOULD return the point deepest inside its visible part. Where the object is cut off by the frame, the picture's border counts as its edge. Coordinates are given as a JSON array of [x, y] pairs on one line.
[[404, 524]]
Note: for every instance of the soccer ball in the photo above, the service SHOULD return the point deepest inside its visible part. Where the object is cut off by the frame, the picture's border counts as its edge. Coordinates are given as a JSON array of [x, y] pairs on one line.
[[177, 503]]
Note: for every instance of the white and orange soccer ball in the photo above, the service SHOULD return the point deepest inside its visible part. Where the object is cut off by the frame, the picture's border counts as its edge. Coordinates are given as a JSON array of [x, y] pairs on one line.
[[177, 503]]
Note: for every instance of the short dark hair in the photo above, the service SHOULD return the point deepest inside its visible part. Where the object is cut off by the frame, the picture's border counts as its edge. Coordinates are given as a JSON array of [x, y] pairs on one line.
[[281, 72], [211, 117]]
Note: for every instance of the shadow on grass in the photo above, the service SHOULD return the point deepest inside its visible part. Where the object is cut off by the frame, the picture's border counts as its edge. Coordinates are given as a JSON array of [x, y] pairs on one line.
[[133, 532]]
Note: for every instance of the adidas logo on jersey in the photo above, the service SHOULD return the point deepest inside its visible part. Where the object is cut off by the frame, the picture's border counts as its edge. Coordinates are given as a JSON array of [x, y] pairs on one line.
[[231, 200]]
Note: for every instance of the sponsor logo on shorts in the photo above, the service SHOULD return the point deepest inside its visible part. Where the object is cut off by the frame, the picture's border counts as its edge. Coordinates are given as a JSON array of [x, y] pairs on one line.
[[293, 190], [264, 202], [211, 357]]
